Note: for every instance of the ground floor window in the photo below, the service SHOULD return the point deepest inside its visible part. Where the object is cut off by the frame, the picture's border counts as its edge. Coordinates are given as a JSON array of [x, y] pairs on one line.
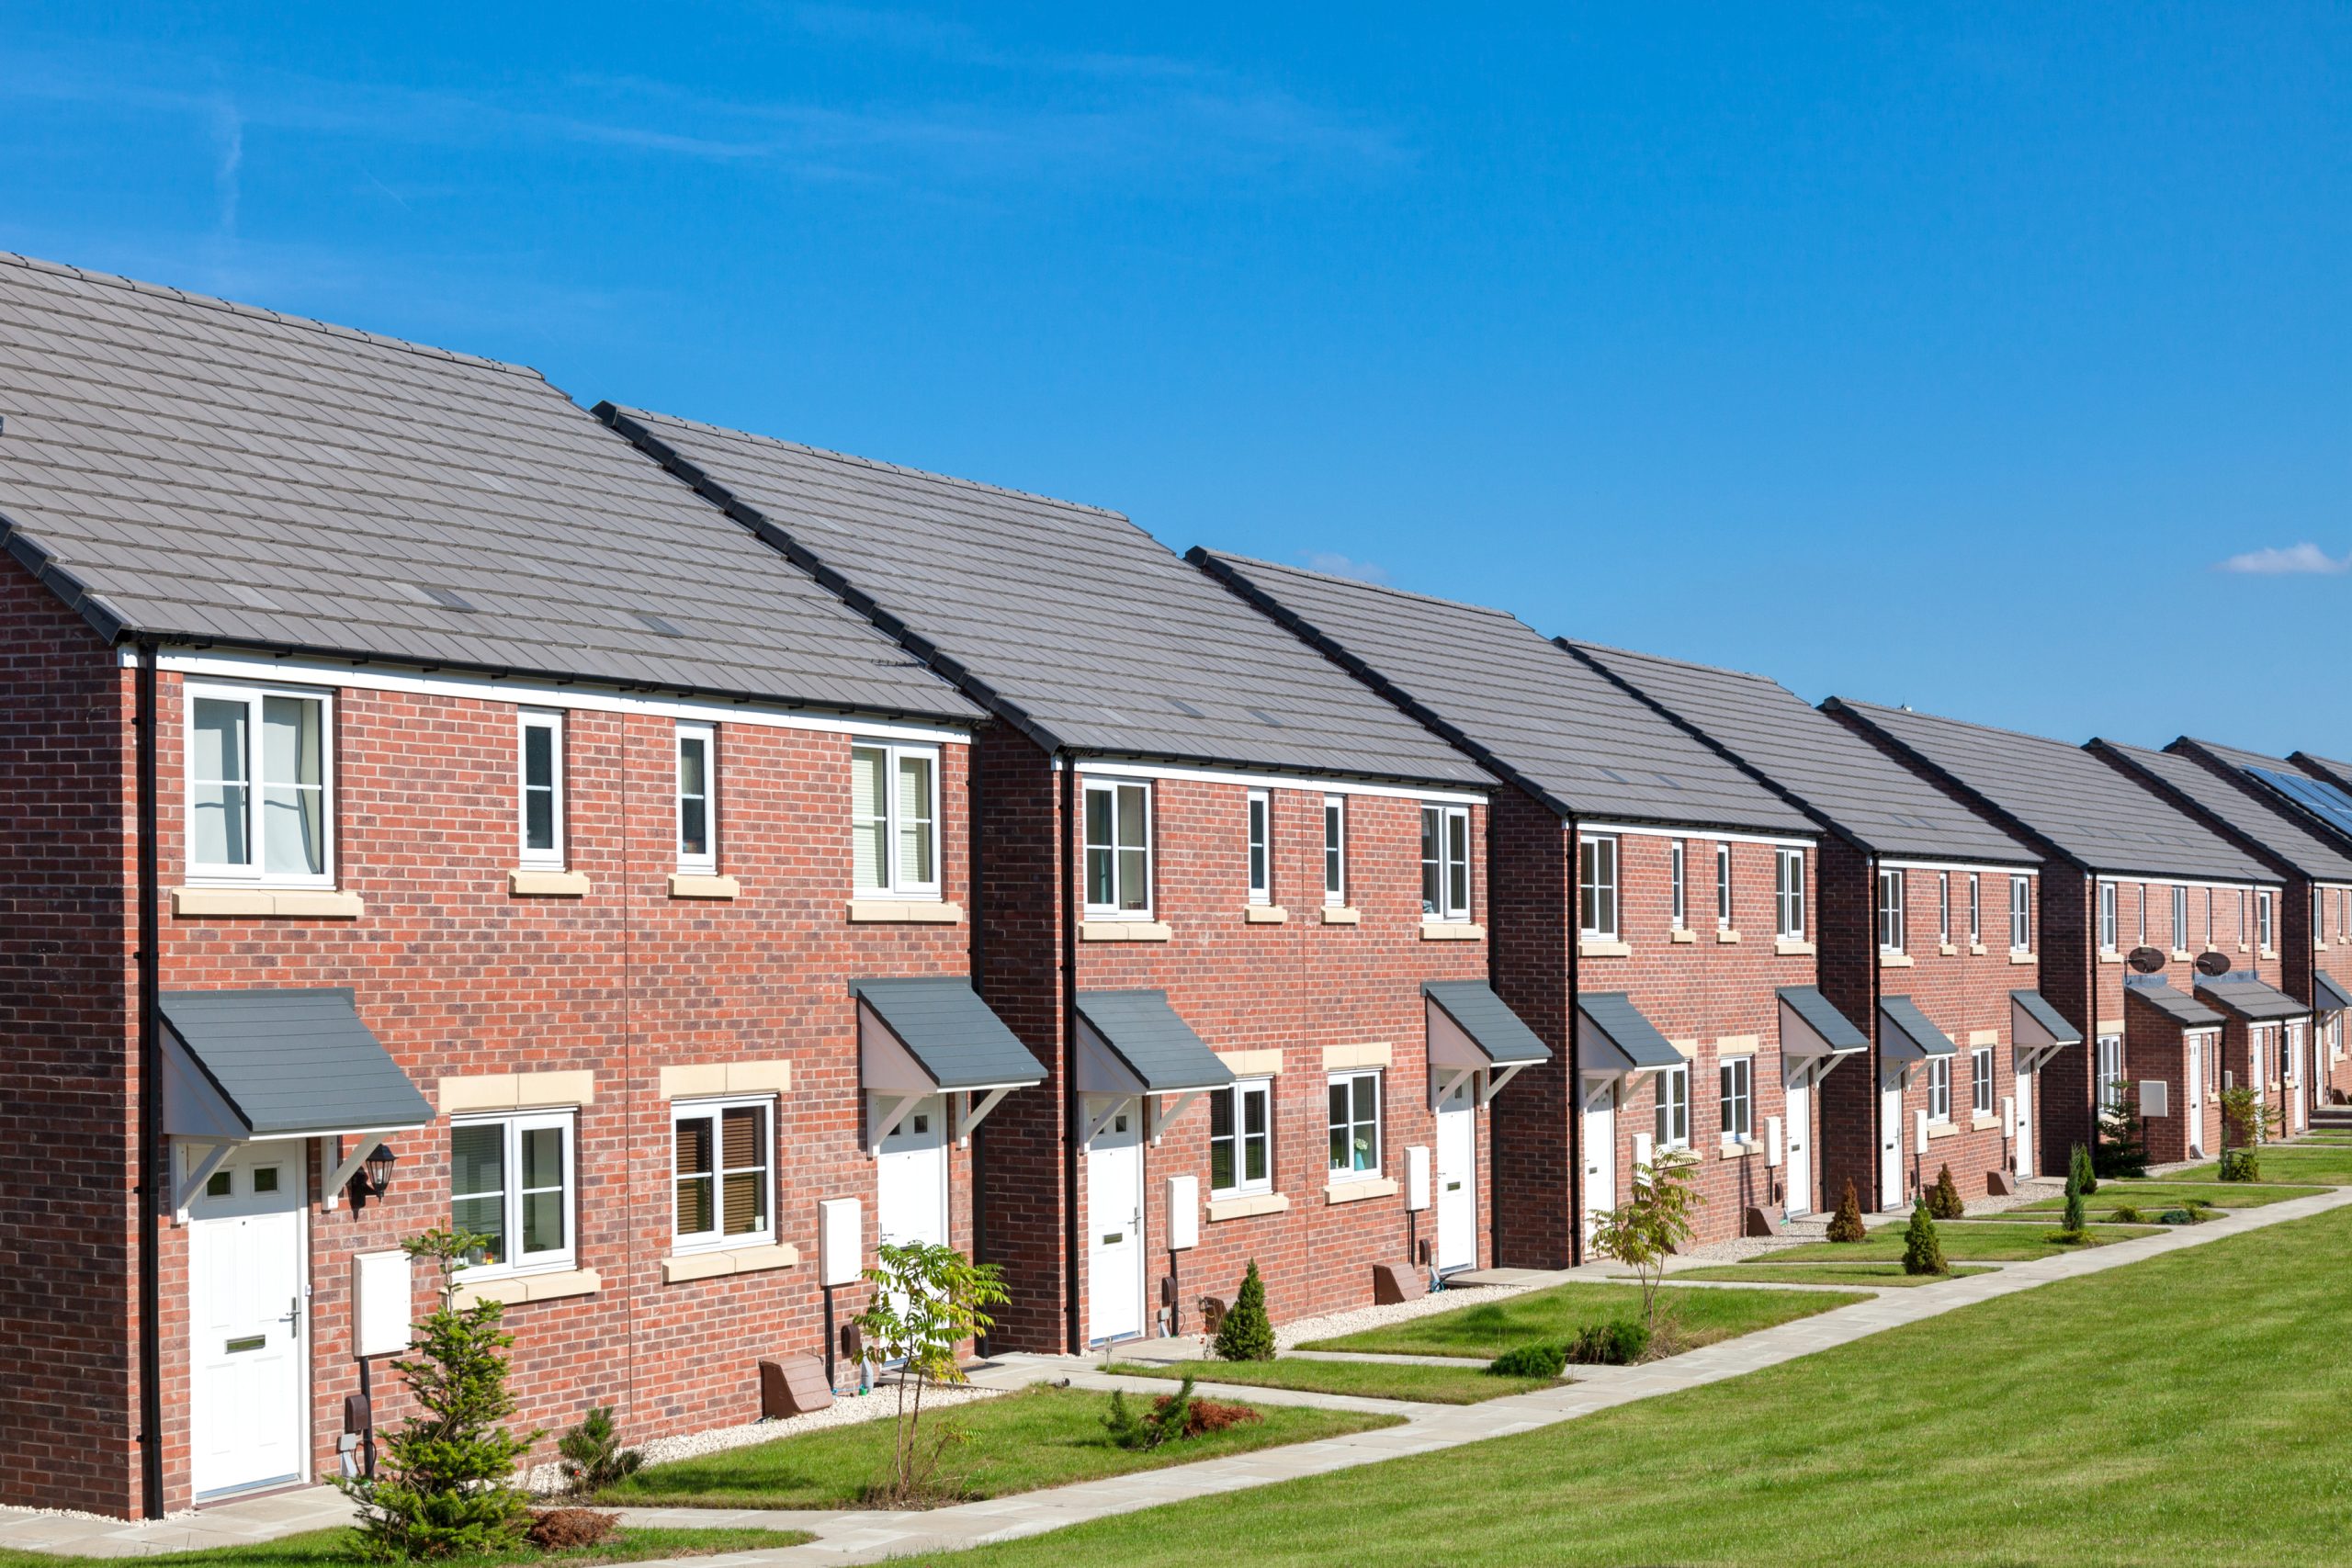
[[1355, 1125], [511, 1184], [1940, 1089], [1242, 1157], [723, 1172], [1736, 1077], [1980, 1079], [1673, 1130], [2111, 1069]]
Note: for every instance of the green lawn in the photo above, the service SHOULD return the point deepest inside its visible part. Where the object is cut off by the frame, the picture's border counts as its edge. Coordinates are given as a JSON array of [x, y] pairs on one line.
[[1039, 1437], [333, 1548], [1987, 1241], [1367, 1379], [1879, 1275], [2201, 1425], [2290, 1162], [2150, 1196], [1489, 1329]]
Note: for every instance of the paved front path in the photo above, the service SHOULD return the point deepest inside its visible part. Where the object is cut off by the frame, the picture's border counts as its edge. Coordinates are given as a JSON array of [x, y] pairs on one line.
[[848, 1536]]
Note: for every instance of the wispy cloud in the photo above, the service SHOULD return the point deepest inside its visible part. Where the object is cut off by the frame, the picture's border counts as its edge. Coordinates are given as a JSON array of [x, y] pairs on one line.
[[231, 128], [2306, 559], [1344, 566]]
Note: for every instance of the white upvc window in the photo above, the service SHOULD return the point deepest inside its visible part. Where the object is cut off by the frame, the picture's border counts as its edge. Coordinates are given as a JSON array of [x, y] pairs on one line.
[[725, 1171], [1673, 1119], [1723, 886], [1118, 850], [2143, 915], [511, 1183], [1597, 884], [894, 820], [1736, 1097], [1975, 910], [1677, 858], [698, 799], [538, 786], [2211, 929], [1261, 847], [2262, 922], [1943, 907], [260, 807], [2021, 914], [1980, 1080], [2180, 918], [1335, 849], [2111, 1069], [1241, 1138], [1940, 1089], [1445, 862], [1788, 894], [1890, 911], [2110, 923], [1355, 1126]]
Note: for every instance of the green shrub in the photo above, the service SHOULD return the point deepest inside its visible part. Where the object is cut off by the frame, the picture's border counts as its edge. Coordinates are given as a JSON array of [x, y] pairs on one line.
[[2179, 1217], [1620, 1342], [1247, 1334], [2240, 1165], [2082, 1176], [1845, 1225], [1164, 1418], [1540, 1359], [593, 1456], [2067, 1238], [2077, 1173], [2121, 1151], [1943, 1199], [1923, 1249], [2126, 1215]]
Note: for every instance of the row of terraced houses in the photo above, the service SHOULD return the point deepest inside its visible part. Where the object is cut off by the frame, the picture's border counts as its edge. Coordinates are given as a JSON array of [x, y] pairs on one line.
[[688, 860]]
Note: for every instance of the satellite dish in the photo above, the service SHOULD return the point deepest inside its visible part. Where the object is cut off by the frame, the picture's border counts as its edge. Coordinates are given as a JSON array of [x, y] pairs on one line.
[[2214, 964], [2146, 960]]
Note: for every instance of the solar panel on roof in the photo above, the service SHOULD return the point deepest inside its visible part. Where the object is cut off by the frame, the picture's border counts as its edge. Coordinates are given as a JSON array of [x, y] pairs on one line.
[[2324, 801]]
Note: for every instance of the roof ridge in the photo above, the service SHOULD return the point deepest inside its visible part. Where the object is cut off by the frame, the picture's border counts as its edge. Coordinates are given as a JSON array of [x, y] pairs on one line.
[[2223, 749], [984, 488], [1699, 664], [260, 313], [1860, 707], [1359, 582]]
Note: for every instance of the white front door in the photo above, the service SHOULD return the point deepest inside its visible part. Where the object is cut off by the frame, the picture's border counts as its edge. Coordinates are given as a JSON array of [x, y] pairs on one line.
[[1890, 1140], [2295, 1076], [2197, 1094], [249, 1383], [1457, 1178], [1599, 1150], [1797, 1128], [2025, 1124], [1115, 1229], [910, 1178]]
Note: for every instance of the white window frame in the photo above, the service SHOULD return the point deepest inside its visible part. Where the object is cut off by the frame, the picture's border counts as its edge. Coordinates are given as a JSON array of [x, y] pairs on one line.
[[1735, 1096], [2266, 937], [1976, 908], [2021, 914], [706, 864], [1335, 851], [2110, 917], [716, 1238], [1981, 1080], [2111, 1069], [551, 721], [515, 1125], [1678, 859], [896, 883], [253, 698], [1940, 1090], [2257, 1039], [2179, 919], [1452, 864], [1724, 910], [1943, 908], [1598, 886], [1261, 810], [1673, 1107], [2291, 1062], [1333, 1173], [1119, 791], [1240, 1137], [1788, 893], [1887, 910]]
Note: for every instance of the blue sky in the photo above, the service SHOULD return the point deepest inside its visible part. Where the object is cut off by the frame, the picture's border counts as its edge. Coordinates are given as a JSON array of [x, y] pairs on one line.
[[1949, 356]]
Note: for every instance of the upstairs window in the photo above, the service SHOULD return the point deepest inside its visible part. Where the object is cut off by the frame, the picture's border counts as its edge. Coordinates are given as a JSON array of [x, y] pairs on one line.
[[1943, 907], [1445, 862], [1890, 911], [2262, 921], [2109, 933], [1261, 848], [724, 1178], [1975, 910], [539, 767], [1723, 888], [697, 800], [1597, 885], [1241, 1139], [1118, 849], [257, 785], [2180, 918], [1788, 894], [1736, 1077], [2021, 914], [1678, 885], [894, 820], [1335, 851]]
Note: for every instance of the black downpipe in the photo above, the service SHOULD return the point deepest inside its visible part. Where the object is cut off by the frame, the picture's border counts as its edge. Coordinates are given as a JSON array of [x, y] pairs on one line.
[[1071, 909], [150, 1109]]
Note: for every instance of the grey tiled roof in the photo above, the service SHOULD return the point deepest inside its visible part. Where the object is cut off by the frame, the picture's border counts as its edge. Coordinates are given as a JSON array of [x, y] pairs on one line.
[[1503, 692], [1071, 623], [2328, 996], [944, 1025], [2173, 1002], [2235, 806], [2052, 1022], [1153, 1039], [1903, 1030], [294, 1059], [1626, 1027], [2337, 773], [195, 470], [2084, 807], [1817, 1014], [1843, 780], [2250, 998], [1488, 1018]]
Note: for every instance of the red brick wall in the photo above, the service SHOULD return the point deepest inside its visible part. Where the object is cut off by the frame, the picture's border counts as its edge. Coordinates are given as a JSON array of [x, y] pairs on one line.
[[68, 1300], [1531, 876], [1847, 967]]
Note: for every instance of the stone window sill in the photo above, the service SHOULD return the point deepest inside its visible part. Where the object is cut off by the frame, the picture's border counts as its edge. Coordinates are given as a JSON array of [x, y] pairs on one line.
[[2179, 957], [683, 886], [1791, 947], [1683, 933], [1942, 1130], [906, 911], [1738, 1150], [1896, 961], [1341, 915], [2017, 957], [520, 1288], [1357, 1191], [1983, 1123], [1265, 914], [2110, 958], [547, 883], [1452, 930], [286, 903], [723, 1261], [2267, 953], [1725, 933], [1596, 947], [1977, 949], [1244, 1205], [1946, 949], [1125, 931]]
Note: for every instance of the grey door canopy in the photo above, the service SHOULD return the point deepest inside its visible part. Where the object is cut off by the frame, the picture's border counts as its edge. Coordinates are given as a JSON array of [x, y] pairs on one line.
[[1615, 1040], [1906, 1034], [286, 1062]]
